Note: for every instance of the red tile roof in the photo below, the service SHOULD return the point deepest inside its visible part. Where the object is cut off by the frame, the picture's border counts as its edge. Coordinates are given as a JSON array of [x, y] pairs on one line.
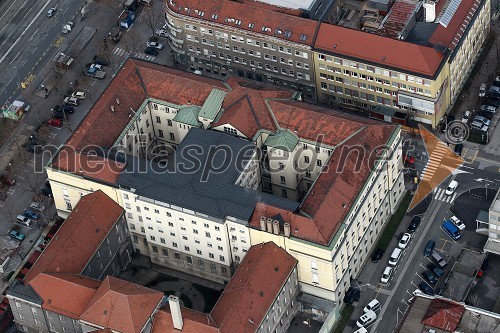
[[444, 315], [277, 20], [121, 306], [193, 322], [384, 51], [454, 31], [81, 234], [253, 289], [66, 294]]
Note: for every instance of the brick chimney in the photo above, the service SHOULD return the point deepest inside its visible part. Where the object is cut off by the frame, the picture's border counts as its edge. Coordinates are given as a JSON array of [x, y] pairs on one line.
[[175, 310]]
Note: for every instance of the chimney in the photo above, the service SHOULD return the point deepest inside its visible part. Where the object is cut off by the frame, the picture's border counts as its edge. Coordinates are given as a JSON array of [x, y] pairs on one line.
[[276, 227], [112, 108], [263, 223], [269, 223], [286, 228], [175, 310], [117, 101]]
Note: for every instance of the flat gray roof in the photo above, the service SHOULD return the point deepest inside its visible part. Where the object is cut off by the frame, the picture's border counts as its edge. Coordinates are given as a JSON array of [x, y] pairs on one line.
[[201, 176]]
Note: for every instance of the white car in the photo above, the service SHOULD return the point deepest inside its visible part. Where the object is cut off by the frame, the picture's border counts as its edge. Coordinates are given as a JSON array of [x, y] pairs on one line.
[[155, 45], [51, 11], [482, 90], [366, 319], [404, 241], [451, 188], [161, 32], [456, 221], [386, 275], [466, 117], [79, 95]]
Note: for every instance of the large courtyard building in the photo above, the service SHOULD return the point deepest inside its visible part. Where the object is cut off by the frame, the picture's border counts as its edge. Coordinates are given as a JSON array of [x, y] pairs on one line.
[[204, 169], [397, 60]]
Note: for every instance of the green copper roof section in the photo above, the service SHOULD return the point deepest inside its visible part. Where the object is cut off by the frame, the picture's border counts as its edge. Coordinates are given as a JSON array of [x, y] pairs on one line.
[[188, 115], [283, 139], [212, 104]]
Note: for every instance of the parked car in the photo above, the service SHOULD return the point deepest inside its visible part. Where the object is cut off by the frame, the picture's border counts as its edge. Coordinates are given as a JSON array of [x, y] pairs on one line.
[[492, 102], [456, 221], [54, 122], [151, 51], [366, 319], [404, 241], [429, 277], [483, 120], [23, 220], [155, 45], [415, 222], [59, 114], [482, 90], [436, 257], [100, 61], [451, 188], [377, 255], [479, 126], [31, 214], [386, 275], [466, 117], [78, 95], [352, 295], [46, 191], [435, 270], [16, 235], [489, 108], [161, 32], [495, 89], [374, 306], [37, 206], [429, 247], [426, 289], [51, 12], [486, 114], [7, 180], [69, 109], [73, 101]]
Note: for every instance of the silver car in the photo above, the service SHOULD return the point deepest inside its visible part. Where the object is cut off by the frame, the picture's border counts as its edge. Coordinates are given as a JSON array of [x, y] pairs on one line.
[[482, 119], [51, 12], [478, 125]]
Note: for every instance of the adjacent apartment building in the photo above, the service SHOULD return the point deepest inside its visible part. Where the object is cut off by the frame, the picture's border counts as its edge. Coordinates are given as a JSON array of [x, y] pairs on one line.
[[218, 166], [493, 226], [411, 61]]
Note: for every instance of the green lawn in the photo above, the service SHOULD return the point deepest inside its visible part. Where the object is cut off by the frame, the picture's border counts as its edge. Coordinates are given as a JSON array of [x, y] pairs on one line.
[[344, 318], [393, 224]]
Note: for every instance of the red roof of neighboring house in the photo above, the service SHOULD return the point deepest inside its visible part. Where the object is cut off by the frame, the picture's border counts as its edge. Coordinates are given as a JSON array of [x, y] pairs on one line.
[[76, 241], [121, 305], [444, 315], [454, 31], [193, 322], [253, 288], [252, 16], [384, 51], [66, 294]]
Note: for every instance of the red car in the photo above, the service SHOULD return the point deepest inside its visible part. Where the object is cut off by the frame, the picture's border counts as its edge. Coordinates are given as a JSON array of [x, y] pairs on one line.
[[7, 181], [55, 122], [409, 160]]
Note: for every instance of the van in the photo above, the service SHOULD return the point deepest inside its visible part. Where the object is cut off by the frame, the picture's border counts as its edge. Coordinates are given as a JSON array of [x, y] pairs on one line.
[[429, 248], [366, 319], [438, 259], [21, 219], [451, 230], [374, 306], [395, 255]]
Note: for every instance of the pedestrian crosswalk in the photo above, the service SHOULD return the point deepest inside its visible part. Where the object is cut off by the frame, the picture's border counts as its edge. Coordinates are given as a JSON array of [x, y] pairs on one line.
[[434, 161], [124, 53], [439, 194]]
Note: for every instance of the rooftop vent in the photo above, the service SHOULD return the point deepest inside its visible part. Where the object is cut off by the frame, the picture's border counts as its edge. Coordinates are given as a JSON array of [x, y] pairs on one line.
[[276, 269], [112, 109], [334, 46], [117, 101], [344, 205], [261, 294]]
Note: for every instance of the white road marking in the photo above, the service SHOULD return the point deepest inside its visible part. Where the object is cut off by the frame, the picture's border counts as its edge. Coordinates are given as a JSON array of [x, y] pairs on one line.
[[15, 57], [29, 25]]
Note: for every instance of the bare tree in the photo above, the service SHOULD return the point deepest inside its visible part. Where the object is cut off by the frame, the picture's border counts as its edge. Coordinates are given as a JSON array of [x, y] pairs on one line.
[[133, 44], [9, 212], [153, 19]]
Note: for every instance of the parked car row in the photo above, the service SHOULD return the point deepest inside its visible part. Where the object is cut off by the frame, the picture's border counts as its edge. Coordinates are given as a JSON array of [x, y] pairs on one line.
[[368, 317]]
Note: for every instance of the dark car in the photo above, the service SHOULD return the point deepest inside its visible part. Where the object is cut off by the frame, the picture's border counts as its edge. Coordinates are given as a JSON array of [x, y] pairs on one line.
[[459, 147], [58, 114], [415, 222], [435, 270], [100, 61], [7, 181], [352, 295], [429, 247], [377, 255], [486, 114], [492, 102], [493, 96], [69, 109], [31, 214], [151, 51], [46, 191], [426, 289], [429, 277]]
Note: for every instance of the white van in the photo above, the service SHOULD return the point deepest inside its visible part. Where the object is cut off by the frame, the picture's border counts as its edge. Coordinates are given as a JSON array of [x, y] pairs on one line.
[[374, 306], [395, 256], [23, 220], [366, 319]]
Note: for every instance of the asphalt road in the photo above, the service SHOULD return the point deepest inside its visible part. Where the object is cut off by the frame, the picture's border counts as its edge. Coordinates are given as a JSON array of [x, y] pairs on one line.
[[395, 297], [28, 40]]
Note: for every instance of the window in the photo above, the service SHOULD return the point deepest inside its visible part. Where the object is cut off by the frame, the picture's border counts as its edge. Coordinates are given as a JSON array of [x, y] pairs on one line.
[[164, 252], [220, 248], [198, 252], [174, 244], [207, 234], [160, 133], [318, 163], [281, 166], [155, 249], [284, 193], [172, 136], [306, 159], [186, 248], [189, 260], [177, 256], [283, 180], [211, 255], [169, 122], [221, 258], [217, 228], [213, 268]]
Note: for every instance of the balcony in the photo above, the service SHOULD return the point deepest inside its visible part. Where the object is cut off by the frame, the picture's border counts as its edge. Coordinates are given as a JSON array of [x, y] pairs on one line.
[[173, 28], [175, 39], [176, 48]]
